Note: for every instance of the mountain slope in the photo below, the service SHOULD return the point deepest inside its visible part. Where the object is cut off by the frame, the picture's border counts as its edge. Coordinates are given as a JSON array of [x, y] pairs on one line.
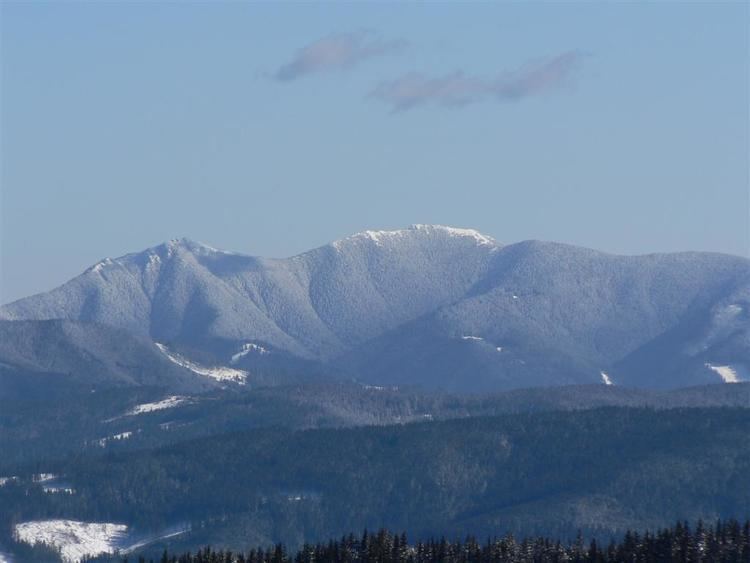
[[85, 353], [313, 305], [550, 314], [429, 305], [708, 345]]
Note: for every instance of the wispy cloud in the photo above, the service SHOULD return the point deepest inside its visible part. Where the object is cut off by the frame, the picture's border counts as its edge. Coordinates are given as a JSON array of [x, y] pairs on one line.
[[458, 89], [336, 52]]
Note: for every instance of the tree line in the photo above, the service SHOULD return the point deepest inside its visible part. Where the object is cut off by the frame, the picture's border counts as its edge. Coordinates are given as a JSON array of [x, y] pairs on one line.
[[723, 542]]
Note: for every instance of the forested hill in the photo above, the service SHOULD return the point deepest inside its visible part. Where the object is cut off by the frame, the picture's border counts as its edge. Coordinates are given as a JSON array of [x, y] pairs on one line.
[[724, 542], [600, 471]]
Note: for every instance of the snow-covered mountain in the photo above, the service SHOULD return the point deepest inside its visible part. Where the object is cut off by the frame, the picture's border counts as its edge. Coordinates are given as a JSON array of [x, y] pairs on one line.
[[429, 305]]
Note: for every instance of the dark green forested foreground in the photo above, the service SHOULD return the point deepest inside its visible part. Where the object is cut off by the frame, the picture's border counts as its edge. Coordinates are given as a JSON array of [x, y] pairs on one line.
[[547, 474], [724, 542]]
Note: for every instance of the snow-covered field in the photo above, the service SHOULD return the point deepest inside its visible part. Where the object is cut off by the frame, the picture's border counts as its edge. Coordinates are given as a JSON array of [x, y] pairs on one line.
[[606, 379], [74, 539], [219, 373]]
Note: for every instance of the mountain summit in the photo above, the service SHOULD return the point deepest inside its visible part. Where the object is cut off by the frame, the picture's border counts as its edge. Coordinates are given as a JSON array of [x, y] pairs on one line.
[[430, 305]]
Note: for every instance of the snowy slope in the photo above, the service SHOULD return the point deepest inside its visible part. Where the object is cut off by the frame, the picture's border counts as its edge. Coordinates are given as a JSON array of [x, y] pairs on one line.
[[77, 539], [394, 306], [312, 305], [74, 539]]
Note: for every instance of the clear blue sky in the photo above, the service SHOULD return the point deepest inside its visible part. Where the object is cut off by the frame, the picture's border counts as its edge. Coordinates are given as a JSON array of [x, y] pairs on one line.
[[618, 126]]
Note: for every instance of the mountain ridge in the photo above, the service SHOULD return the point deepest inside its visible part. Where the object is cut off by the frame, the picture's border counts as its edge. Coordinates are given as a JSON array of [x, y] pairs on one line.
[[387, 306]]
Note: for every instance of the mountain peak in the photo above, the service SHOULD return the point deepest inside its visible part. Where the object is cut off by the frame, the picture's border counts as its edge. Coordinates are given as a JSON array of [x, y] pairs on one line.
[[156, 254], [190, 245], [378, 237]]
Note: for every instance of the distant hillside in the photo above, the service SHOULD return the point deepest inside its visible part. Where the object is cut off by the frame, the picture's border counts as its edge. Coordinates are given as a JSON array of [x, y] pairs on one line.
[[87, 353]]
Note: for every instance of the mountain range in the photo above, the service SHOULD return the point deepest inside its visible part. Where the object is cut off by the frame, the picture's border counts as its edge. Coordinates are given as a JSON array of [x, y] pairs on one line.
[[429, 306]]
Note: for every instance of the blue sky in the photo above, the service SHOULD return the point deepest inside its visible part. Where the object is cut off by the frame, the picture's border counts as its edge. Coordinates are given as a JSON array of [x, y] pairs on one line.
[[274, 128]]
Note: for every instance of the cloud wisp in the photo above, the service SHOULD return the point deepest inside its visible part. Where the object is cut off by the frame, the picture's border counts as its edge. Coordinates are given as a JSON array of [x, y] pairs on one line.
[[336, 52], [458, 89]]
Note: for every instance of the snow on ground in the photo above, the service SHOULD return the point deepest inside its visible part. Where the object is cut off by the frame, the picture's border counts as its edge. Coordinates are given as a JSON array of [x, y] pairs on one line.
[[246, 349], [147, 540], [730, 374], [74, 539], [479, 339], [606, 379], [168, 403], [44, 477], [218, 373], [99, 266], [5, 558], [121, 436], [380, 388], [5, 480], [59, 489]]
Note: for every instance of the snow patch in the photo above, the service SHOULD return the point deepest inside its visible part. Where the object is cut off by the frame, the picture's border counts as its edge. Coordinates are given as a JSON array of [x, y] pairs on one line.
[[219, 373], [59, 490], [246, 349], [74, 539], [99, 266], [730, 374], [153, 260], [5, 480], [499, 348], [469, 337], [380, 388], [168, 403], [116, 437], [605, 378], [734, 309], [44, 477]]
